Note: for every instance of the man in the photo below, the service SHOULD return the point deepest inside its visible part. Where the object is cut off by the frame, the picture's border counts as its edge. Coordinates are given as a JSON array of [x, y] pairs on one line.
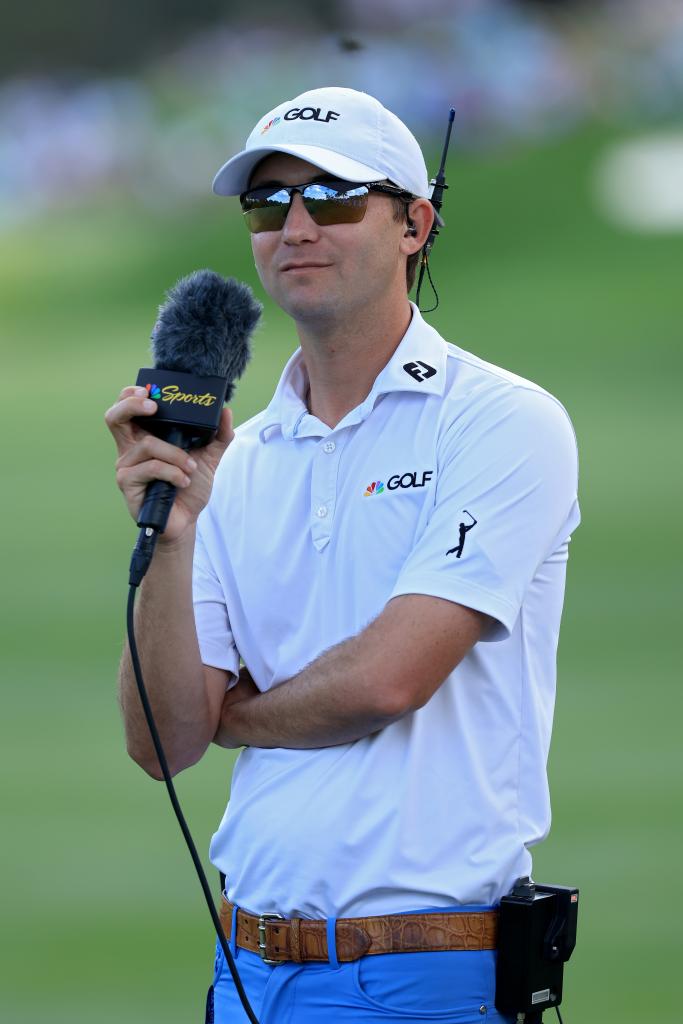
[[385, 549]]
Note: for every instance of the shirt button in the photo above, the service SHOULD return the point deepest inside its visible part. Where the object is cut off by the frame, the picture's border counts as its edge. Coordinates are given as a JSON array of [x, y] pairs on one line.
[[321, 511], [329, 446]]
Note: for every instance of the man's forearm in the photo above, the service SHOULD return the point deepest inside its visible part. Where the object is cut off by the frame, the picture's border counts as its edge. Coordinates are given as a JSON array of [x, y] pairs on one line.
[[171, 664], [337, 699], [392, 667]]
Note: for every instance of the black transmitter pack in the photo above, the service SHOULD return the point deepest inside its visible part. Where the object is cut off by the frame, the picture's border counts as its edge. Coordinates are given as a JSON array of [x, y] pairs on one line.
[[536, 937]]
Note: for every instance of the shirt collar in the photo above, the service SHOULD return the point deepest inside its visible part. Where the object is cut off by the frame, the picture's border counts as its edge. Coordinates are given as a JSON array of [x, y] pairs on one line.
[[418, 364]]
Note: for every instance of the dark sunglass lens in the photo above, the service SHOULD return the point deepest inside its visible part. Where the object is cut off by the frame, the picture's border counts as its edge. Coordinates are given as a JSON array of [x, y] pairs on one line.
[[265, 210], [336, 203], [331, 202]]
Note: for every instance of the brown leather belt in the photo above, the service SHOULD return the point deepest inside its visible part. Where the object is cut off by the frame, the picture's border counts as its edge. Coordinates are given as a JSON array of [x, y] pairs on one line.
[[277, 939]]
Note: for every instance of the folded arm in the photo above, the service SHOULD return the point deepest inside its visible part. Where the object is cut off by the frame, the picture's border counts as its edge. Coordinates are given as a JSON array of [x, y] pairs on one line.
[[367, 682]]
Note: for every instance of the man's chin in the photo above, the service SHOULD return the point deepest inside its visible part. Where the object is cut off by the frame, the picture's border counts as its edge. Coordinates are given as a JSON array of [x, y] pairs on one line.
[[311, 309]]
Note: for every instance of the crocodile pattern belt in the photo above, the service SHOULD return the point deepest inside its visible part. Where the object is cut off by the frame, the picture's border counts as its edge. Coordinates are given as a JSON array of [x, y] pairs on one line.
[[277, 939]]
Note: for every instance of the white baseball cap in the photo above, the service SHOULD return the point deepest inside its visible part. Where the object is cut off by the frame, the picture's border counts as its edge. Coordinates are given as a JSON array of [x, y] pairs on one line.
[[344, 132]]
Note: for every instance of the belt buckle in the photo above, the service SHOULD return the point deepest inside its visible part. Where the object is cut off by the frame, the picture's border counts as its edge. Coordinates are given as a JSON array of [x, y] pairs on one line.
[[263, 918]]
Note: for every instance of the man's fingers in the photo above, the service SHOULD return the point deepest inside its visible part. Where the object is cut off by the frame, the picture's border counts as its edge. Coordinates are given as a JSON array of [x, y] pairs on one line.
[[143, 472], [143, 456], [136, 404], [224, 436], [133, 401], [225, 432], [213, 453], [150, 447], [131, 390]]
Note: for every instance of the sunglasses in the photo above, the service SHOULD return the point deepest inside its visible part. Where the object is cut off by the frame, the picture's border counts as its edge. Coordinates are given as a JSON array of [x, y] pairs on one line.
[[327, 202]]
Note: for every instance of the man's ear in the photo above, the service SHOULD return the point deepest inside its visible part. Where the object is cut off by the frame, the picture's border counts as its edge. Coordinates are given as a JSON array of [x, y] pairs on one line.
[[419, 217]]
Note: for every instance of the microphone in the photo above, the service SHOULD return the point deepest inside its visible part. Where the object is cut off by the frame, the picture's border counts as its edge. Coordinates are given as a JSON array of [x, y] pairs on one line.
[[200, 345]]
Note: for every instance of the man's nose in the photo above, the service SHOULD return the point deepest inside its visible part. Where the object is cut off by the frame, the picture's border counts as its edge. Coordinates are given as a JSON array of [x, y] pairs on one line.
[[299, 225]]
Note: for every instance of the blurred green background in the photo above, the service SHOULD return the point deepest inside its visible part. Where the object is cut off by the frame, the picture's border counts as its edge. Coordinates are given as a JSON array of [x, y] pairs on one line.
[[102, 918]]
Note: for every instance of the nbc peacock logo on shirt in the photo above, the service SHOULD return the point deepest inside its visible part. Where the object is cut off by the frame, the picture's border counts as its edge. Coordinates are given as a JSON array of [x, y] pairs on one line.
[[376, 487]]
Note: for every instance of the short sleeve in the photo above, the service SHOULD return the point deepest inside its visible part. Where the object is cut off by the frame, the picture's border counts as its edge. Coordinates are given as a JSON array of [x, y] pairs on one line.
[[505, 500], [216, 642]]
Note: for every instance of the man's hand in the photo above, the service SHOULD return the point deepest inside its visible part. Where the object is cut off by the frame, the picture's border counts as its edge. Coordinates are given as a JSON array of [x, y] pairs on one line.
[[142, 457], [244, 688]]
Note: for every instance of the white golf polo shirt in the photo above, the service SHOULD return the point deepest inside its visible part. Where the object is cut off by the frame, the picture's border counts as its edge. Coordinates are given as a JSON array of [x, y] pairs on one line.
[[453, 478]]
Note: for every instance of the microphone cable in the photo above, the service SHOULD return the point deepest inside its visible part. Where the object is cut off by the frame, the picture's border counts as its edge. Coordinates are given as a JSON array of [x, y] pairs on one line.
[[163, 764]]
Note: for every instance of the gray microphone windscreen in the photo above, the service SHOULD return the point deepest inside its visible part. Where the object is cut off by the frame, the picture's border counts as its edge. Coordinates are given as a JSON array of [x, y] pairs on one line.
[[205, 327]]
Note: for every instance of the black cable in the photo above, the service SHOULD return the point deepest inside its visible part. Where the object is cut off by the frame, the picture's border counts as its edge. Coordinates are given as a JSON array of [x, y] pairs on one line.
[[419, 284], [425, 267], [559, 1015], [161, 756], [436, 294]]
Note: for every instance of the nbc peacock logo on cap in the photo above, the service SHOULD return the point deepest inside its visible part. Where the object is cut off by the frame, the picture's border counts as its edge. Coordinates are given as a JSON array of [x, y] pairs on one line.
[[376, 487], [270, 124]]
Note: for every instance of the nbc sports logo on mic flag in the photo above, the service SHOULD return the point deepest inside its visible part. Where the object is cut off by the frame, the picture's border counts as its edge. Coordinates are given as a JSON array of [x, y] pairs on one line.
[[153, 390]]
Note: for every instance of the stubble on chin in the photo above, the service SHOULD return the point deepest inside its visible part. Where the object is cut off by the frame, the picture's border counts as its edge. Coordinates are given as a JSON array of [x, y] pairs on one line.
[[312, 308], [319, 311]]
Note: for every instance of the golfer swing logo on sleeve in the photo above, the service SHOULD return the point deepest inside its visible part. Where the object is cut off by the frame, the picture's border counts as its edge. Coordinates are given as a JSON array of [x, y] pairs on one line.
[[464, 529], [341, 215]]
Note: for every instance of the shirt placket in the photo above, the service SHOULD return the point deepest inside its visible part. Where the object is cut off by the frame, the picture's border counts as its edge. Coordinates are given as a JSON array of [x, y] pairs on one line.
[[324, 488]]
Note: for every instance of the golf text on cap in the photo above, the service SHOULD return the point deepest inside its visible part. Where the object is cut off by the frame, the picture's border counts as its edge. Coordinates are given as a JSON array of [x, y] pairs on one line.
[[310, 114]]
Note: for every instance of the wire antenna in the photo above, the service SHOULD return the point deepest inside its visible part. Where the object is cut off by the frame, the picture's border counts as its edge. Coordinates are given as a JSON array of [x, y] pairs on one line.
[[437, 188]]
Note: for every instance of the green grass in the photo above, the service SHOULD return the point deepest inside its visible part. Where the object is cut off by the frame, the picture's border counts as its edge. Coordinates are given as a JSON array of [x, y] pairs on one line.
[[102, 919]]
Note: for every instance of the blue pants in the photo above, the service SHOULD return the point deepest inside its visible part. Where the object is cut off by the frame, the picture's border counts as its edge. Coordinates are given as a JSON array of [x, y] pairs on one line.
[[452, 987]]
